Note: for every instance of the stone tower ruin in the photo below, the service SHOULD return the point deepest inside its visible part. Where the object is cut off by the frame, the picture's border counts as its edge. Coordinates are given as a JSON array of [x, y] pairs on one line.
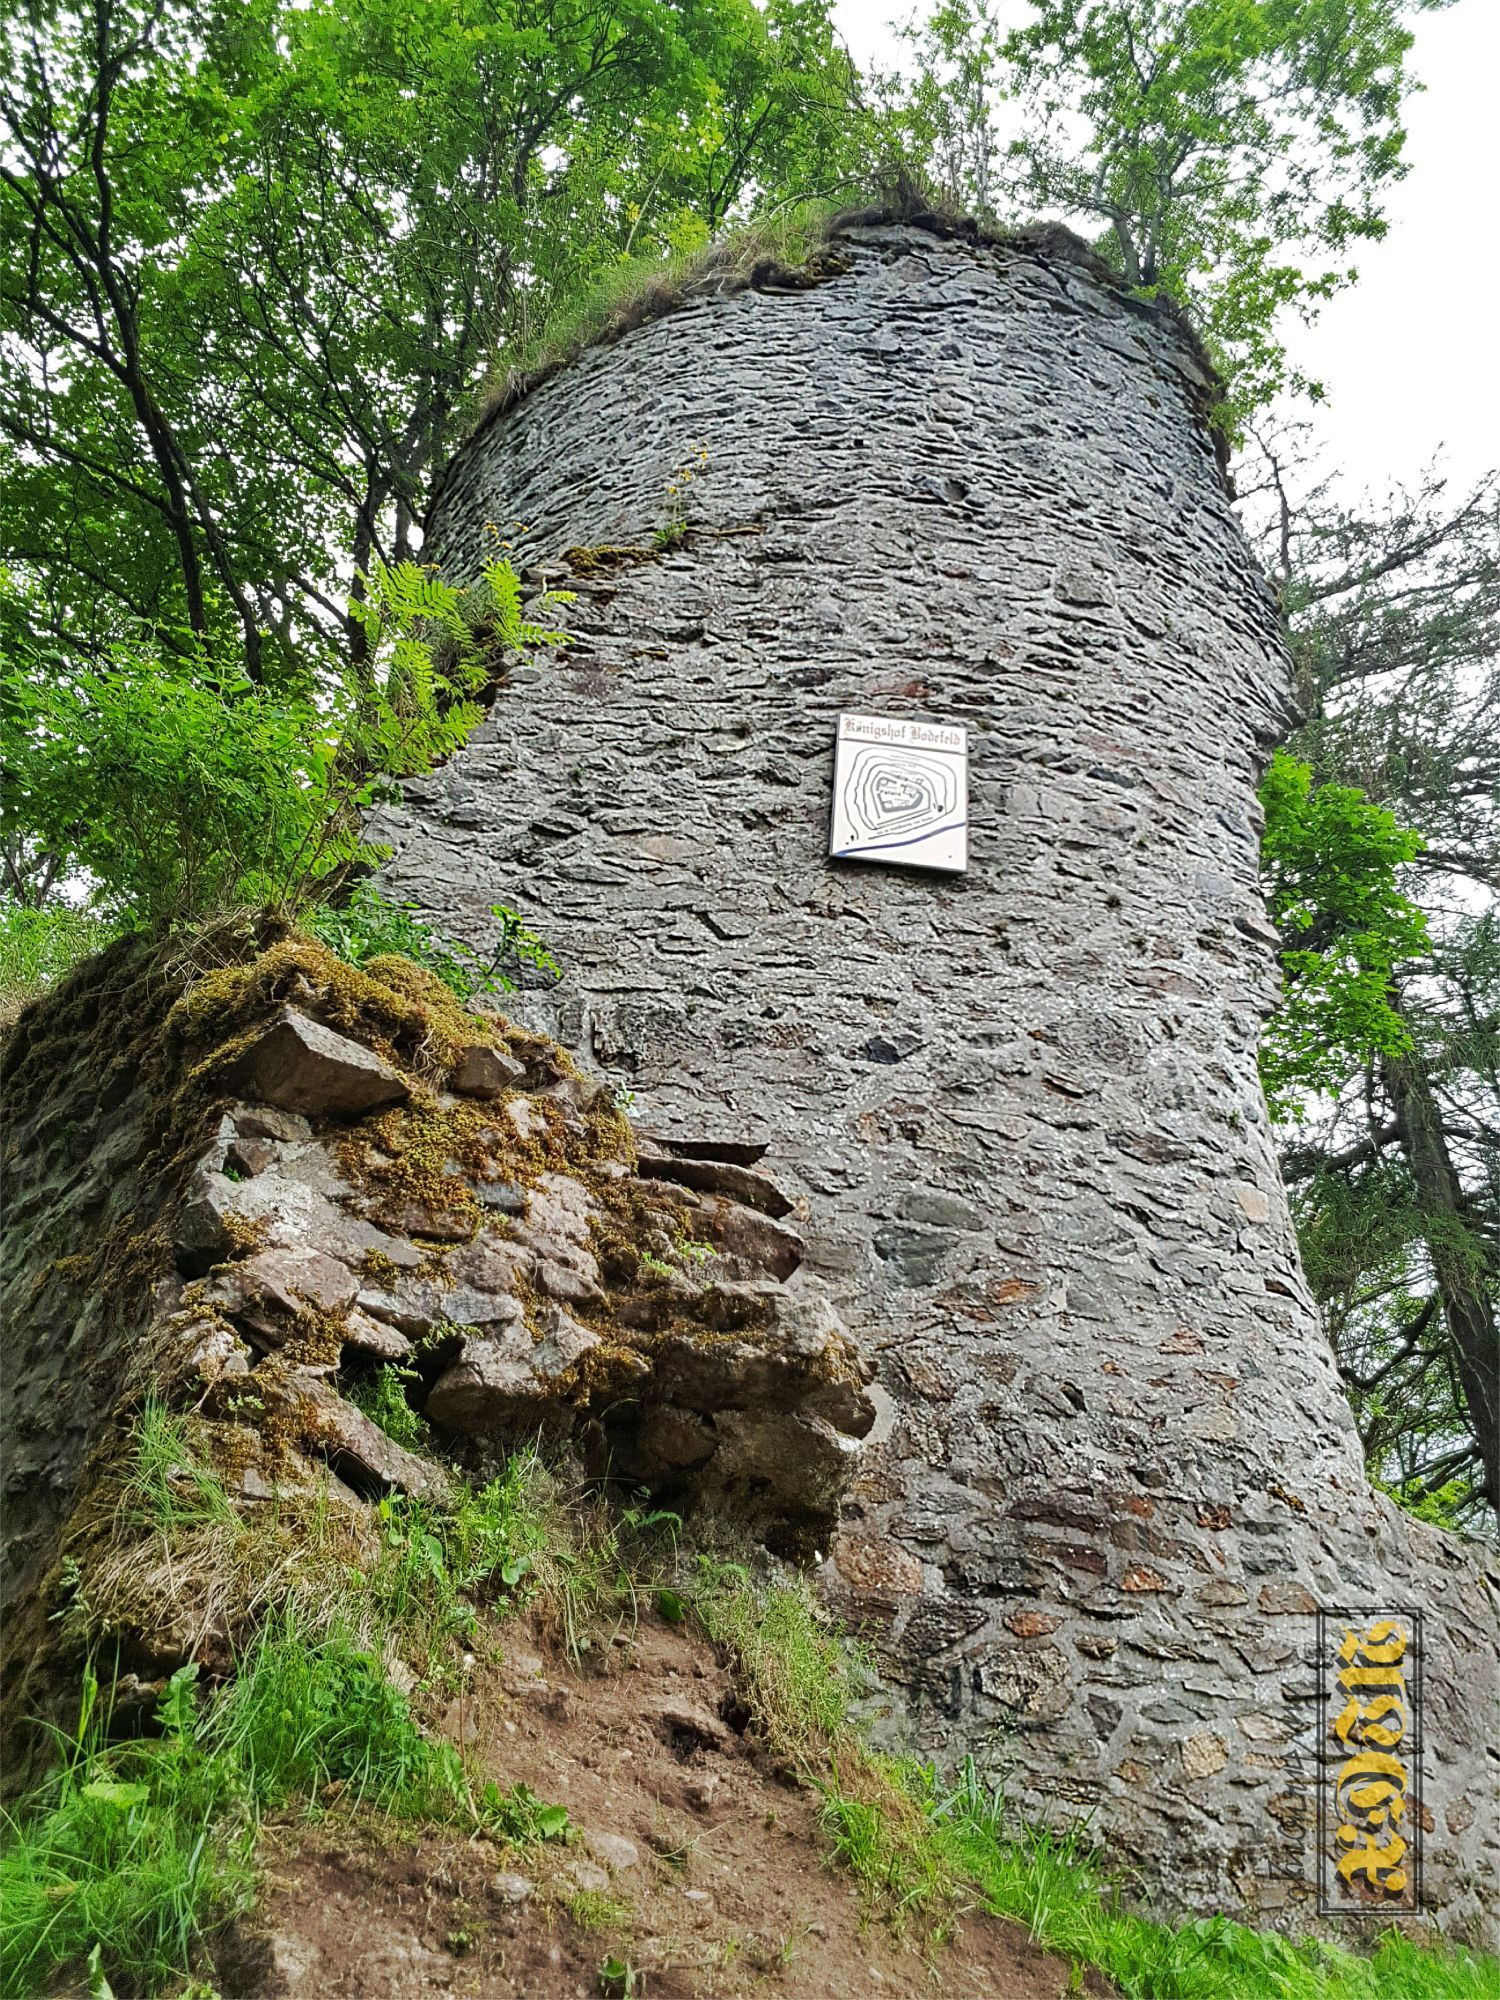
[[1114, 1476]]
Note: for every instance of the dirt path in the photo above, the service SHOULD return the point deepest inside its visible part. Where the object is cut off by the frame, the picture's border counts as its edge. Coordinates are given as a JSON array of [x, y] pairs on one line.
[[701, 1868]]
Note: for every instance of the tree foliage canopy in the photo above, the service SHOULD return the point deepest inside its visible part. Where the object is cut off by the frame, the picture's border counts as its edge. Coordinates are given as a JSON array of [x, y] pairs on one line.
[[259, 256], [1231, 154], [1330, 860]]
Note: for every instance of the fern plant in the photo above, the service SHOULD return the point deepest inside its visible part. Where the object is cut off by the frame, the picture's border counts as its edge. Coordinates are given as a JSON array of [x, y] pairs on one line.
[[429, 650]]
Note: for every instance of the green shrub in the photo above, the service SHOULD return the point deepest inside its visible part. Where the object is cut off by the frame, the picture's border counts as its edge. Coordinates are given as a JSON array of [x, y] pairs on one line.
[[520, 1818], [38, 946], [178, 787], [116, 1856], [439, 1563], [521, 1539], [498, 1533], [576, 1564]]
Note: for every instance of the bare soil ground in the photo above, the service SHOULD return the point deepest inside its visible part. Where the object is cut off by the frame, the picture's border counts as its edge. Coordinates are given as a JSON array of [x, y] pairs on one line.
[[730, 1892]]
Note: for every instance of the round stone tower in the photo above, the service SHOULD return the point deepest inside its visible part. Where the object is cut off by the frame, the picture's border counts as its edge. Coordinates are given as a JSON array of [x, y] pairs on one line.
[[1114, 1479]]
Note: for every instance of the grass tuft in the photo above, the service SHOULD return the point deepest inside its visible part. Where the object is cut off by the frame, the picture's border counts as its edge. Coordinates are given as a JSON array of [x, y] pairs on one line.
[[135, 1852], [799, 1676], [1055, 1884], [302, 1716], [593, 1910], [525, 1539], [879, 1832], [162, 1547], [801, 1680]]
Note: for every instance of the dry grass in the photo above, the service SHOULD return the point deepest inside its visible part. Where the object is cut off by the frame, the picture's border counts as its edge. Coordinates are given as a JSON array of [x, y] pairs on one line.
[[166, 1557], [789, 251], [164, 1554]]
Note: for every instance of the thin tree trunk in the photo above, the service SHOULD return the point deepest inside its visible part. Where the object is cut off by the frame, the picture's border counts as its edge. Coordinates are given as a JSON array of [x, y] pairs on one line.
[[364, 548], [1460, 1260]]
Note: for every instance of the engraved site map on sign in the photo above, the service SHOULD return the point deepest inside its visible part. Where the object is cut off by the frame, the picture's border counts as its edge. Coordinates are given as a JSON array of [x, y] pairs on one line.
[[901, 793]]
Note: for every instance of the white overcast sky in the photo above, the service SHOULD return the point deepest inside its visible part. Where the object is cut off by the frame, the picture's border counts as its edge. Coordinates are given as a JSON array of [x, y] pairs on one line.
[[1409, 355]]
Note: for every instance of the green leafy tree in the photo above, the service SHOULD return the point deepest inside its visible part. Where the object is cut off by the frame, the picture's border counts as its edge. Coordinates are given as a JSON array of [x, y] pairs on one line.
[[1231, 154], [944, 117], [1394, 1170], [259, 255], [1330, 862]]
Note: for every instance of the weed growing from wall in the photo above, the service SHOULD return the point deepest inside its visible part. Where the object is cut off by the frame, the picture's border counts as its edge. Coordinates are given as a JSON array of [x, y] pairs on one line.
[[672, 530]]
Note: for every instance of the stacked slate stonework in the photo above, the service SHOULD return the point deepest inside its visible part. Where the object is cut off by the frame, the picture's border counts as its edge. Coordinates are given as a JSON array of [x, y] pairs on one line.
[[1113, 1477]]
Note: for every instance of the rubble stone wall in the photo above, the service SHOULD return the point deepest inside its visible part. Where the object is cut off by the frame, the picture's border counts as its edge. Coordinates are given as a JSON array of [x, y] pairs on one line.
[[245, 1195], [1114, 1475]]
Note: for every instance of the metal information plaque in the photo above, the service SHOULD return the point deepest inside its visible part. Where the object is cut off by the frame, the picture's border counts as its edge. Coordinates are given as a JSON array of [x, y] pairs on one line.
[[901, 793]]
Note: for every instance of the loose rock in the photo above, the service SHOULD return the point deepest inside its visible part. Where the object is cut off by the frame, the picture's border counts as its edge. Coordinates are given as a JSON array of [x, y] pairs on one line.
[[357, 1449], [298, 1064], [586, 1877], [509, 1888], [613, 1851], [483, 1071]]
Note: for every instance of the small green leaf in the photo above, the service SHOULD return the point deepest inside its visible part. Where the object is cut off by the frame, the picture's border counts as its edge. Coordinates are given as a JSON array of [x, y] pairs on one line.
[[113, 1792]]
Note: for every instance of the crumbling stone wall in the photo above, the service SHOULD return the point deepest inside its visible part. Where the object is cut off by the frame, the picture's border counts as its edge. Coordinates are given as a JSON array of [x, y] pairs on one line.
[[1113, 1475], [242, 1191]]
